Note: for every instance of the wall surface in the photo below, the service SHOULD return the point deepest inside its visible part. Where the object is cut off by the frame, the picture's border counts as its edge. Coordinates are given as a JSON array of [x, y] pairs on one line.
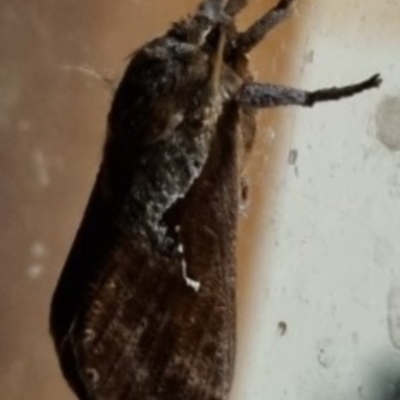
[[327, 269], [318, 274]]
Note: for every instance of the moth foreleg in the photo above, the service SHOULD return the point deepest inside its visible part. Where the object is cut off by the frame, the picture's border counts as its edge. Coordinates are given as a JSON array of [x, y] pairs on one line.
[[259, 95], [248, 39]]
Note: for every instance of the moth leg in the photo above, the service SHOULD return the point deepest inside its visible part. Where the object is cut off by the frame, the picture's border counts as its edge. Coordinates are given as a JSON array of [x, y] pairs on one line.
[[235, 6], [248, 39], [260, 95]]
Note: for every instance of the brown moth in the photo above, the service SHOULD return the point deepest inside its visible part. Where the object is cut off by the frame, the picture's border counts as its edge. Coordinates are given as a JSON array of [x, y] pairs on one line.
[[145, 306]]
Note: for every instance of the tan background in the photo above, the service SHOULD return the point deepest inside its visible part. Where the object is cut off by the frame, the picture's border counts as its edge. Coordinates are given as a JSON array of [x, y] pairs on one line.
[[53, 104]]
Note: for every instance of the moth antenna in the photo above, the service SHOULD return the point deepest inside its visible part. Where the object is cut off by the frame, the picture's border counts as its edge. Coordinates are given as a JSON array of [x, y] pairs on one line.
[[258, 95], [248, 39]]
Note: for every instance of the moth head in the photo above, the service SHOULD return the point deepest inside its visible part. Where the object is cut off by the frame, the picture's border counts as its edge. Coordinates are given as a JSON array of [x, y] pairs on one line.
[[204, 25]]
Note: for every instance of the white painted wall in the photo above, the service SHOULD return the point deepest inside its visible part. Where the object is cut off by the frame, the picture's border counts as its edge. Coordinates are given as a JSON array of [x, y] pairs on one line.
[[329, 261]]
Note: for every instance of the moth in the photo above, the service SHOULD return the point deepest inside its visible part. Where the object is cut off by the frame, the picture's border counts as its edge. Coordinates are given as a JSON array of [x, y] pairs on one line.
[[145, 305]]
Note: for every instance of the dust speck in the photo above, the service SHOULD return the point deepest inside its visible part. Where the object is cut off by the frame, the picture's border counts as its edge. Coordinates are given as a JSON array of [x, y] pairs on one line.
[[292, 160], [282, 328], [271, 134], [325, 356], [309, 57], [35, 271], [293, 155], [38, 249], [41, 170]]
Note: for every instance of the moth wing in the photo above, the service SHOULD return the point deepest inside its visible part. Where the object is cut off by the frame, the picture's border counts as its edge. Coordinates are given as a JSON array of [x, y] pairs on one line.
[[132, 325]]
